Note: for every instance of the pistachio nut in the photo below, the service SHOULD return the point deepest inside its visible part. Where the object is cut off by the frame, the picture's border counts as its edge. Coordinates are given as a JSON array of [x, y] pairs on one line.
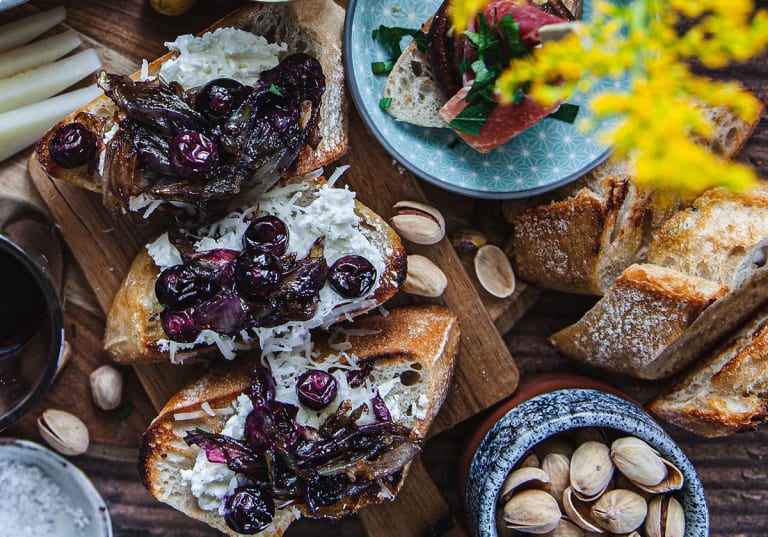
[[522, 479], [591, 470], [63, 431], [557, 466], [418, 222], [530, 460], [578, 512], [673, 481], [665, 518], [638, 461], [424, 278], [467, 240], [566, 528], [619, 511], [494, 271], [106, 387], [532, 511]]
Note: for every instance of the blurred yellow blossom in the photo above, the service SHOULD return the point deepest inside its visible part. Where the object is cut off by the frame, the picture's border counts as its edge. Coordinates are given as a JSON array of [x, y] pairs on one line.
[[660, 115]]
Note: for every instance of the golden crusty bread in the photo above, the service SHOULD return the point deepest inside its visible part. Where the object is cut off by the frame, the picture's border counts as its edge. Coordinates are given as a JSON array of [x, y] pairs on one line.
[[584, 234], [421, 341], [706, 275], [311, 26], [646, 309], [133, 327], [726, 391]]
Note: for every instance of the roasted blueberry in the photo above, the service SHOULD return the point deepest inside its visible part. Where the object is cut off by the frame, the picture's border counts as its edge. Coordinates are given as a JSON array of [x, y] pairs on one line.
[[257, 273], [179, 325], [181, 286], [268, 233], [249, 510], [193, 154], [225, 313], [72, 145], [352, 276], [220, 97], [316, 389]]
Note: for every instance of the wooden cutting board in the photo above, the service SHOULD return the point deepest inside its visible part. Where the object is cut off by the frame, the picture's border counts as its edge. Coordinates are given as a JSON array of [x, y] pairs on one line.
[[485, 374]]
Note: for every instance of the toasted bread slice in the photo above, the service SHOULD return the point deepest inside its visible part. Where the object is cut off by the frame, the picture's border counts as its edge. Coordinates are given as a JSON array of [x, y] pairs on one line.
[[134, 333], [726, 391], [313, 27], [412, 349]]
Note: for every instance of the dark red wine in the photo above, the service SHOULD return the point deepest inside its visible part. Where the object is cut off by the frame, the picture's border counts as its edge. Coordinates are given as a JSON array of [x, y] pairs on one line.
[[22, 304]]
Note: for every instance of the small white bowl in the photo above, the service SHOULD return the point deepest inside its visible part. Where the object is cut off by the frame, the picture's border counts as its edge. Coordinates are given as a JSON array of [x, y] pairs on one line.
[[76, 489]]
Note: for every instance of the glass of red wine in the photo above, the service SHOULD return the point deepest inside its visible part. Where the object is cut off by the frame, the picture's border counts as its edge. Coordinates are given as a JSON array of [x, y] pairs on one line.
[[31, 320]]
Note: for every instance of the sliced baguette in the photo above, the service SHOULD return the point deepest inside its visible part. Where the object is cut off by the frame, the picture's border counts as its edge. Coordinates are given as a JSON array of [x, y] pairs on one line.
[[628, 330], [586, 233], [133, 330], [726, 391], [417, 343], [310, 26]]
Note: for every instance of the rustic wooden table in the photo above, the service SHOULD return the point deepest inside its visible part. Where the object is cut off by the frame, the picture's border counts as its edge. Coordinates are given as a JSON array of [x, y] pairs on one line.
[[734, 470]]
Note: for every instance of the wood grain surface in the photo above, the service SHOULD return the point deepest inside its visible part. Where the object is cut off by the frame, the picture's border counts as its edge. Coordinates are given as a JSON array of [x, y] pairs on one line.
[[734, 470]]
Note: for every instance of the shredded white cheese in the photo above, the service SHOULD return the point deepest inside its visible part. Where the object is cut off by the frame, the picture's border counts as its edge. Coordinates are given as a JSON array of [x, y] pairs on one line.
[[225, 52]]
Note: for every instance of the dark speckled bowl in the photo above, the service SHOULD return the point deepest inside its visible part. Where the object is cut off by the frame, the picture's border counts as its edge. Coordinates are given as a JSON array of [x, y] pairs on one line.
[[551, 413]]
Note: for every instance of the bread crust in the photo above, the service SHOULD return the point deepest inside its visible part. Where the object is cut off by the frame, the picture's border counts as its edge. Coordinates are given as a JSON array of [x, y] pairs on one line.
[[427, 335], [133, 327], [726, 391], [311, 26]]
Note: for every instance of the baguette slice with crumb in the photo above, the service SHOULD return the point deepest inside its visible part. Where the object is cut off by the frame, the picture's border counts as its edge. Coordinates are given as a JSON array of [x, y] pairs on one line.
[[413, 350], [726, 391], [134, 332], [629, 329], [310, 26]]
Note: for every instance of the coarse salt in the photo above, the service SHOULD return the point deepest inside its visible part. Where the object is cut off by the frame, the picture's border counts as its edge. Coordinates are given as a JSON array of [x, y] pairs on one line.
[[32, 504]]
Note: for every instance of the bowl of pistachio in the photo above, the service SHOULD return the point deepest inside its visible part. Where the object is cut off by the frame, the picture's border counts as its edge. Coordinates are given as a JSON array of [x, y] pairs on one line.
[[577, 462]]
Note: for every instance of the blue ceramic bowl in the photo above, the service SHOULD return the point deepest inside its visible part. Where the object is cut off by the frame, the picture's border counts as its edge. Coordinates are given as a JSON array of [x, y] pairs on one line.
[[555, 412]]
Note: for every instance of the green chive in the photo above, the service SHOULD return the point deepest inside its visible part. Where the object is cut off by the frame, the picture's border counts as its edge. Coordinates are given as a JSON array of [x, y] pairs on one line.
[[385, 102], [567, 113], [123, 411]]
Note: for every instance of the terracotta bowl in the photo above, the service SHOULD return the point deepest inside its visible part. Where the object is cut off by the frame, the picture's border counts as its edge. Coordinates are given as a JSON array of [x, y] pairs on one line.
[[547, 406]]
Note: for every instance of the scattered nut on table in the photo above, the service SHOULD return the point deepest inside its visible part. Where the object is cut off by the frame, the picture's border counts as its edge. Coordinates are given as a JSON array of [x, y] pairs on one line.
[[418, 222], [600, 487], [106, 387], [64, 432], [424, 278], [494, 271], [467, 240]]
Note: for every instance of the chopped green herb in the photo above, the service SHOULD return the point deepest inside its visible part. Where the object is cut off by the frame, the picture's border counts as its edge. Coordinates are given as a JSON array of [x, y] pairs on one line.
[[390, 38], [567, 112], [123, 411], [385, 102], [395, 9], [201, 430], [494, 49], [382, 68], [274, 89]]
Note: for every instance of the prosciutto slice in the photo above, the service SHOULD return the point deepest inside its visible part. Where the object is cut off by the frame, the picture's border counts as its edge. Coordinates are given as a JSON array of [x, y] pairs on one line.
[[507, 120]]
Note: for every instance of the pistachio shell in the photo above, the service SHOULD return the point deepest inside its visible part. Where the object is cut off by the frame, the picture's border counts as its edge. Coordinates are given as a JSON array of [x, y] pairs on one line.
[[530, 460], [418, 222], [638, 461], [566, 528], [620, 510], [532, 511], [524, 478], [666, 518], [494, 271], [424, 278], [64, 432], [578, 512], [557, 467], [673, 481], [587, 434], [591, 470]]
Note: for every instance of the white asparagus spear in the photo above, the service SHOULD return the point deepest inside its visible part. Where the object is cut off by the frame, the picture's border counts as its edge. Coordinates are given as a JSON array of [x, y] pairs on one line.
[[24, 126], [43, 82], [17, 33], [38, 53]]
